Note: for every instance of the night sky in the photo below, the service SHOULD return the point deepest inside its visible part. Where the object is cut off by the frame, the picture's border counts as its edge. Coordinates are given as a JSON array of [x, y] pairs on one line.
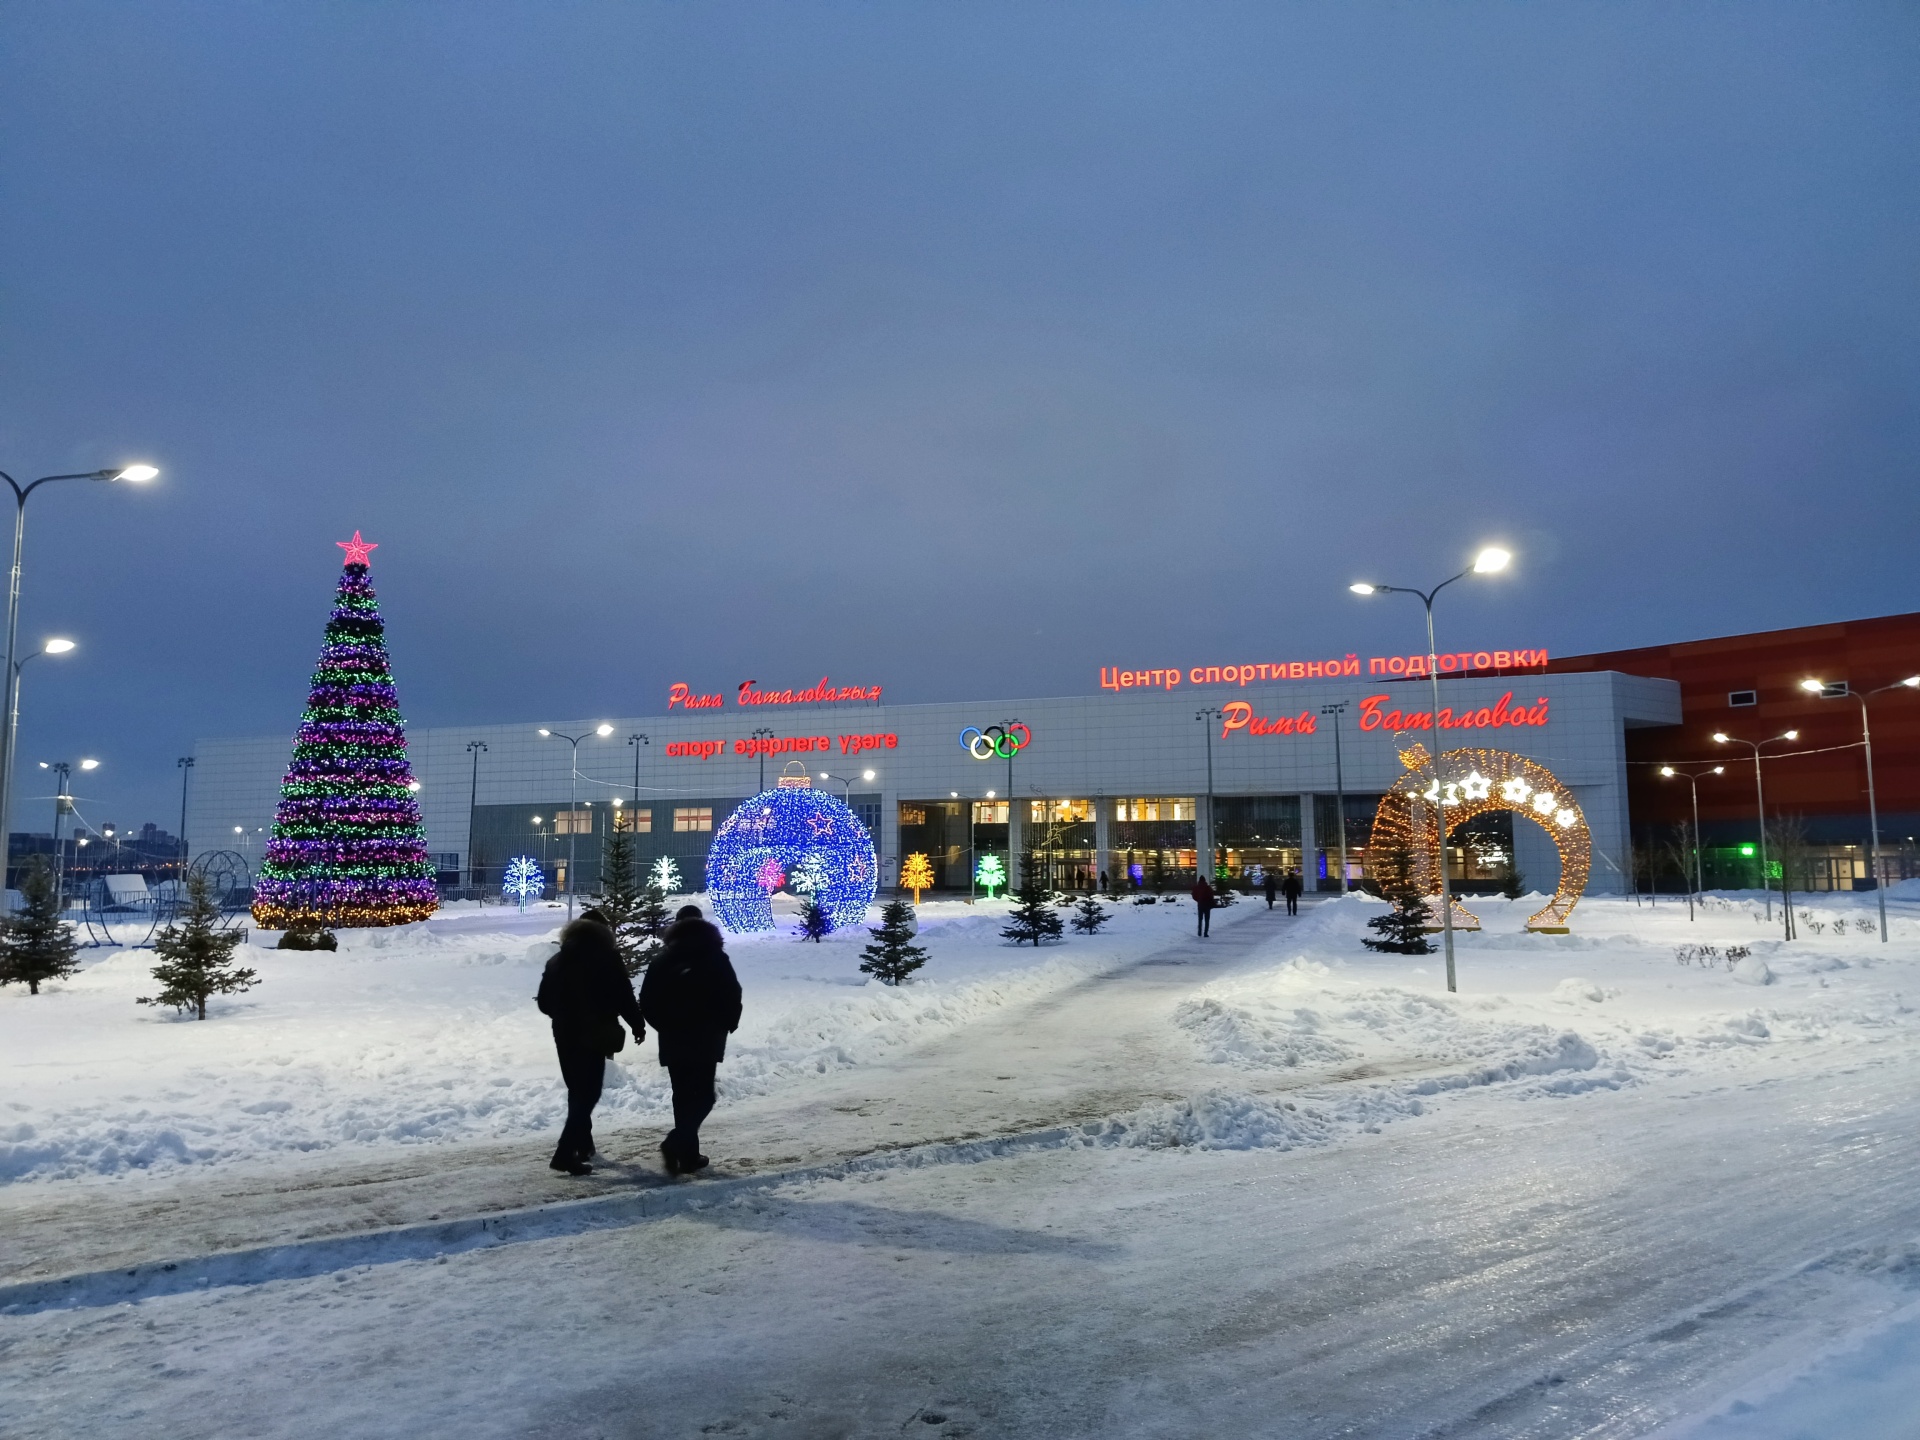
[[959, 348]]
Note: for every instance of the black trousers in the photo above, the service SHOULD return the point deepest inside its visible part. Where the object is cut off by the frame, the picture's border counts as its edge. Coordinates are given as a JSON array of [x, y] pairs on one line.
[[1293, 904], [584, 1069], [692, 1103], [1206, 918]]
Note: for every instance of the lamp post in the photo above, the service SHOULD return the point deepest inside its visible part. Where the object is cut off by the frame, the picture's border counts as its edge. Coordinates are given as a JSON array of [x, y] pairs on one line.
[[1693, 779], [1489, 561], [764, 732], [1912, 682], [636, 741], [62, 806], [133, 475], [52, 647], [475, 749], [1339, 787], [185, 764], [573, 788], [1007, 727], [1720, 737], [1206, 717]]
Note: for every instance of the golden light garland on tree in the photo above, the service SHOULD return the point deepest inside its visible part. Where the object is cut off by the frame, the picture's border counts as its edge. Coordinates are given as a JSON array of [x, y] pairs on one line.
[[1488, 780]]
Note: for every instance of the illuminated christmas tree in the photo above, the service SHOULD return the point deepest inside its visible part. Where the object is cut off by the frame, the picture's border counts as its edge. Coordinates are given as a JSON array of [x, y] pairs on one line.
[[916, 875], [348, 847], [990, 873]]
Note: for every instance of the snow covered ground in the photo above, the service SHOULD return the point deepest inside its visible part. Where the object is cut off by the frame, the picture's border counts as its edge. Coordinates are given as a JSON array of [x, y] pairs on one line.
[[1268, 1183]]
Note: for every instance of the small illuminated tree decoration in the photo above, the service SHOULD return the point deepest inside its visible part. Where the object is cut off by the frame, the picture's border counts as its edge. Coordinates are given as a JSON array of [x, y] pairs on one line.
[[1488, 780], [524, 881], [789, 827], [348, 847], [769, 877], [666, 875], [990, 874], [916, 875]]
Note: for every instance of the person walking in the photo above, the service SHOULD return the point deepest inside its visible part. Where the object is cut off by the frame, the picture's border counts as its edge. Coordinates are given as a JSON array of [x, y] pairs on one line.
[[586, 993], [1293, 887], [692, 999], [1203, 902], [1272, 888]]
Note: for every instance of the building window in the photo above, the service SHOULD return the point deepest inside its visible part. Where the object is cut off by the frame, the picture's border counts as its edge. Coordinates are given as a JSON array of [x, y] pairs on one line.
[[692, 817], [1153, 809], [1061, 812], [989, 812], [912, 815], [1739, 698], [573, 822], [634, 821]]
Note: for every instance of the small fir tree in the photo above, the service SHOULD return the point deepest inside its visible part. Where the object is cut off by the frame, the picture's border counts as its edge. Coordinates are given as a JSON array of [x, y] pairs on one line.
[[37, 944], [1032, 917], [623, 901], [815, 920], [1402, 930], [893, 956], [196, 959], [916, 875], [1512, 883], [1090, 915]]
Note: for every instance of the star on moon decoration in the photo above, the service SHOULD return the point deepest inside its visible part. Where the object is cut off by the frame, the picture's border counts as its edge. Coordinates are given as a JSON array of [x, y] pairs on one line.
[[1494, 780]]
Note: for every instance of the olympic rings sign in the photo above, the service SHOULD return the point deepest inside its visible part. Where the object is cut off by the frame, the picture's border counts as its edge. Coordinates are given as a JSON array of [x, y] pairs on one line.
[[996, 740]]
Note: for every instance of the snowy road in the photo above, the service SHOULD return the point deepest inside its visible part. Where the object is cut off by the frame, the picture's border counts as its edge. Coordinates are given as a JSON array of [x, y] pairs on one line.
[[1508, 1259]]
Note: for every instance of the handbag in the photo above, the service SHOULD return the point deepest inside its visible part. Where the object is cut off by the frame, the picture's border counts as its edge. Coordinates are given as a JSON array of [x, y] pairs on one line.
[[613, 1039]]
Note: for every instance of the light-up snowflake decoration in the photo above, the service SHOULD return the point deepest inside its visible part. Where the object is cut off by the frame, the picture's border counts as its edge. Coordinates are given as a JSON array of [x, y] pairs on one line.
[[666, 875]]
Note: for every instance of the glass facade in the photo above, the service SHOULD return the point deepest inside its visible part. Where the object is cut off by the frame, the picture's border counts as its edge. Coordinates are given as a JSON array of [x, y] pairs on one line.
[[1151, 839], [1327, 823], [1256, 835]]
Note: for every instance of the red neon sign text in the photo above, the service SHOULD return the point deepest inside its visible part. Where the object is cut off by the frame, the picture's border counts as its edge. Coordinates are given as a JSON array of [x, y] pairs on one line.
[[1487, 717], [1238, 715], [681, 695]]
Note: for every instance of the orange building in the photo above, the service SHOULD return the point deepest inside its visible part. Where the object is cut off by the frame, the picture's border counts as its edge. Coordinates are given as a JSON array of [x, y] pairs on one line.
[[1750, 688]]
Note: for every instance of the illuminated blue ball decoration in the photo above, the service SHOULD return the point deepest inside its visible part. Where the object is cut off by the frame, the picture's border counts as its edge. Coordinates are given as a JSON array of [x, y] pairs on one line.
[[803, 832]]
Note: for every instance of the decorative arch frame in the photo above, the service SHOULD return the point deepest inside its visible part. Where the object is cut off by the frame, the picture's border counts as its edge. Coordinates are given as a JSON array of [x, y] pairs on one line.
[[1490, 780]]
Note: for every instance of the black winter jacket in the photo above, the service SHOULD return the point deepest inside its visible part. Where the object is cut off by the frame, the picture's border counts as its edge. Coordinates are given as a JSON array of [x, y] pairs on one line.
[[585, 990], [691, 995]]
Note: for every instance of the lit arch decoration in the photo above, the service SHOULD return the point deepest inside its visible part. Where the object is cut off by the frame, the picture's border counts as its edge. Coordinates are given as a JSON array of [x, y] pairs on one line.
[[785, 832], [1489, 780]]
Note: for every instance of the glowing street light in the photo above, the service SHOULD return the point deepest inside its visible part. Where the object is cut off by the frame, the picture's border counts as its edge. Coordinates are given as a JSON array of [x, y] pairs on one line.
[[1693, 779], [573, 790], [1491, 560], [1720, 737], [1839, 692], [136, 474]]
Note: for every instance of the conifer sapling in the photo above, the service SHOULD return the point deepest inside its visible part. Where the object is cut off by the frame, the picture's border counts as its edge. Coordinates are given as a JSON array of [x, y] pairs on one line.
[[623, 901], [37, 944], [1032, 919], [1402, 929], [196, 959], [893, 956], [1089, 915]]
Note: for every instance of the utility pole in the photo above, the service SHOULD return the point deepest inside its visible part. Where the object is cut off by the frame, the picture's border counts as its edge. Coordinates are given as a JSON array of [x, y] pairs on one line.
[[1207, 717], [763, 733], [185, 763]]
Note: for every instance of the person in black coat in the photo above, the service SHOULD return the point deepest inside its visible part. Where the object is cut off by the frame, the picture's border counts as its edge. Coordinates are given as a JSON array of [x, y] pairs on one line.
[[691, 997], [1293, 887], [586, 993], [1272, 886]]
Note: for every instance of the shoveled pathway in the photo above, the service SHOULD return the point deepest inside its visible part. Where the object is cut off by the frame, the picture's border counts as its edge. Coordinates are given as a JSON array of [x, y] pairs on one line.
[[1102, 1046]]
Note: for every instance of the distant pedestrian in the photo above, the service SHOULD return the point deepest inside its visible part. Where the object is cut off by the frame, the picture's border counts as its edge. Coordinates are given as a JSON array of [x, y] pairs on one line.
[[1105, 887], [1272, 888], [1293, 887], [692, 998], [586, 993], [1203, 903]]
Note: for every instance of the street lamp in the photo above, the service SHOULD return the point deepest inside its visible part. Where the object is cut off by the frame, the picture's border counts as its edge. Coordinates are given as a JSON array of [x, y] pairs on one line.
[[52, 647], [1815, 687], [133, 475], [62, 805], [185, 764], [1693, 779], [1720, 737], [1490, 561], [573, 789], [1339, 789], [762, 733], [1206, 717], [475, 749], [636, 741]]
